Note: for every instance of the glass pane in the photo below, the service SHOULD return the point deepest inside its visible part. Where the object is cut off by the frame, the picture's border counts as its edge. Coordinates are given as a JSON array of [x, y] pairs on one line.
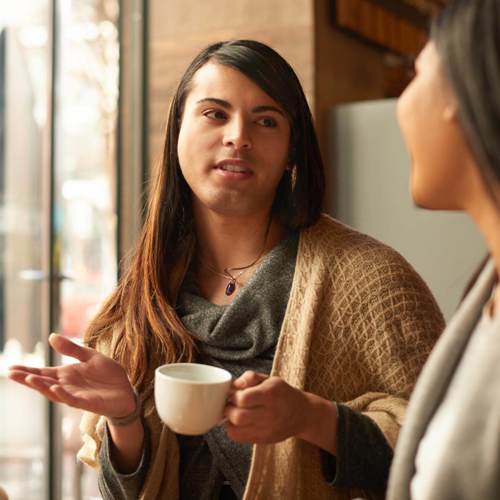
[[85, 180], [24, 80]]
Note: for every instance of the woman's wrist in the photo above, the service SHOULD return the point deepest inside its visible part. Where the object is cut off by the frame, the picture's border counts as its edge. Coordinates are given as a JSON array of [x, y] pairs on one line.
[[127, 436], [129, 417], [320, 423], [127, 442]]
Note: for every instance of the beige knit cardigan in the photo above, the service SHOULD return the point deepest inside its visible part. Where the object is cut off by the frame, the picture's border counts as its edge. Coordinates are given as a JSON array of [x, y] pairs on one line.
[[357, 329]]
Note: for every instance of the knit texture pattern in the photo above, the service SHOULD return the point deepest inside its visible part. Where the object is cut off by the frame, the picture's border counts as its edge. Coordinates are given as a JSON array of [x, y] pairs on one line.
[[358, 328]]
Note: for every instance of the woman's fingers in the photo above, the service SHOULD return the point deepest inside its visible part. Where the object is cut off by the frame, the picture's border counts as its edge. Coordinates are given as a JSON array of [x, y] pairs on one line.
[[52, 389], [49, 387], [64, 396], [246, 433], [250, 389], [249, 379], [46, 372], [65, 346], [242, 417], [43, 385], [36, 382], [39, 382], [18, 376], [37, 375], [253, 396], [27, 377], [18, 372]]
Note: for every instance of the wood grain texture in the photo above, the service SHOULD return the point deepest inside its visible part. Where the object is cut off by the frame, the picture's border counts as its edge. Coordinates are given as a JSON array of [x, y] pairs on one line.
[[378, 25], [346, 70], [179, 30], [428, 7]]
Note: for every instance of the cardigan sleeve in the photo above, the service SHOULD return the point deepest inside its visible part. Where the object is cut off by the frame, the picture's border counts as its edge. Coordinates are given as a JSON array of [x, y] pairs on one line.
[[161, 471], [396, 326], [363, 455], [114, 485], [382, 324]]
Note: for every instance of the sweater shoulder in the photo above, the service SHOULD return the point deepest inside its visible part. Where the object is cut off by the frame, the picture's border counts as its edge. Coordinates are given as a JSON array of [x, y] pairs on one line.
[[332, 241], [349, 256]]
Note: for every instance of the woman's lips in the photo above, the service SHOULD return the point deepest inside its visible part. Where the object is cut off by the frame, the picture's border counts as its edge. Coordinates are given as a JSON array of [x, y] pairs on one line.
[[233, 169]]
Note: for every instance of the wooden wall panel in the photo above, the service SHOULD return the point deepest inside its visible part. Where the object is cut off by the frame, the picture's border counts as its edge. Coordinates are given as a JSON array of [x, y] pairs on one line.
[[381, 26], [179, 29], [346, 70]]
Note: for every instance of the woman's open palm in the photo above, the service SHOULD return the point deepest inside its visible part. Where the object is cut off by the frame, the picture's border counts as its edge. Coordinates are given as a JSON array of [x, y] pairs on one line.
[[96, 383]]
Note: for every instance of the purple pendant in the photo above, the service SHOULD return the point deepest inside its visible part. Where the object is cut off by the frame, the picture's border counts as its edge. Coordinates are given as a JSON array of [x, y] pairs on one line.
[[231, 287]]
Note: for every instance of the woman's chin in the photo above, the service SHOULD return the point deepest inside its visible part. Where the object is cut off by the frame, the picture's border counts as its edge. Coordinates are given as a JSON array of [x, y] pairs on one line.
[[421, 201], [418, 195], [428, 200]]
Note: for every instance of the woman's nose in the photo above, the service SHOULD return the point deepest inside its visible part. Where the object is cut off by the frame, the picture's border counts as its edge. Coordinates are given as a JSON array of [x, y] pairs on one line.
[[236, 135]]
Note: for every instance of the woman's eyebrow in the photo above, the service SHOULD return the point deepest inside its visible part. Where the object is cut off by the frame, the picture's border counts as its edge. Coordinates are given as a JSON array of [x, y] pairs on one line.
[[227, 105], [263, 109], [215, 100]]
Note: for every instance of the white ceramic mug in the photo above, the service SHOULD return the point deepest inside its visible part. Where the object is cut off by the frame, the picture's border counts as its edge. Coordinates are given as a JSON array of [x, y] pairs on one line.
[[190, 397]]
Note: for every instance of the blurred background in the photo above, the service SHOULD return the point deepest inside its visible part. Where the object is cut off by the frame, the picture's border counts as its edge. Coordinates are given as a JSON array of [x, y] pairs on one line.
[[85, 87]]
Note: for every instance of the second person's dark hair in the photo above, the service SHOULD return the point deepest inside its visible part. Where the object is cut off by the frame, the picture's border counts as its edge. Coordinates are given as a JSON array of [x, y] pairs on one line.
[[467, 37]]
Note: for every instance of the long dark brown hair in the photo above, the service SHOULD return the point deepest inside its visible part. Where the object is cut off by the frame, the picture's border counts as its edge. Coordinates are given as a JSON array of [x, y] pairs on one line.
[[467, 38], [140, 315]]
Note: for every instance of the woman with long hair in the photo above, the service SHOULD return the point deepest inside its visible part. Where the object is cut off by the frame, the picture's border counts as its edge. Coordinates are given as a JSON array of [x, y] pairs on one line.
[[450, 117], [324, 329]]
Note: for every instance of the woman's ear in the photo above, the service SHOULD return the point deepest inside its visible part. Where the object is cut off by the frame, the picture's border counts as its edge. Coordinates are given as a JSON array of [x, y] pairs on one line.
[[449, 102], [450, 112]]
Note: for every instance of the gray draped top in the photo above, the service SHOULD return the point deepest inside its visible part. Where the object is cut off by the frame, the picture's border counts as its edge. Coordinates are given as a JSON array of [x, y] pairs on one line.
[[238, 337]]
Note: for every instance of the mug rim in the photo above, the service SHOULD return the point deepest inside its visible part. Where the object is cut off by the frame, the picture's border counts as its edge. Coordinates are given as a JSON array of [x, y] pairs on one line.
[[222, 371]]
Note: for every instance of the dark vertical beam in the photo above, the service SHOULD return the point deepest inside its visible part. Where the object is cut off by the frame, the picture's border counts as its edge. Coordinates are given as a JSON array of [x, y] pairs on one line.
[[133, 124], [3, 131], [145, 106], [51, 286], [119, 140]]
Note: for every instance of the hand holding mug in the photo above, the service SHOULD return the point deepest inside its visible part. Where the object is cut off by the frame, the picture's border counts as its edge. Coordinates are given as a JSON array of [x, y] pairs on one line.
[[264, 409], [97, 383]]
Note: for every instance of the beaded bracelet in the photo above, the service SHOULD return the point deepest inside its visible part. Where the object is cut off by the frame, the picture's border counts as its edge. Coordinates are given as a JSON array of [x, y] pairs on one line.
[[132, 417]]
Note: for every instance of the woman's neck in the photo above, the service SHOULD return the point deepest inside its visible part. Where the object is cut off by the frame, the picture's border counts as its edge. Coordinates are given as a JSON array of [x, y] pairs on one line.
[[486, 215], [228, 243], [234, 241]]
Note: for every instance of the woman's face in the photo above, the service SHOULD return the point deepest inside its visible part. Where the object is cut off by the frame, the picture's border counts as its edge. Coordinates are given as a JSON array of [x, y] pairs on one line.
[[442, 164], [233, 143]]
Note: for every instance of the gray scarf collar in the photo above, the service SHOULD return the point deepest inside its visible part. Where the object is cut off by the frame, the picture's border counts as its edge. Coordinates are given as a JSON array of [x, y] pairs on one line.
[[238, 337]]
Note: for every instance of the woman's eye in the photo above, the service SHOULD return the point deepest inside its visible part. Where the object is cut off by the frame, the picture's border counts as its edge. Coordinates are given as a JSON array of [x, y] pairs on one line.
[[268, 122], [215, 114]]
